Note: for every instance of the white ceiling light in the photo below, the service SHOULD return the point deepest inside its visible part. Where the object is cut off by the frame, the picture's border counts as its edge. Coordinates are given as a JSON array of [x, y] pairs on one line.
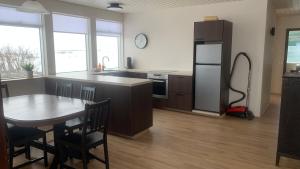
[[33, 6], [114, 6]]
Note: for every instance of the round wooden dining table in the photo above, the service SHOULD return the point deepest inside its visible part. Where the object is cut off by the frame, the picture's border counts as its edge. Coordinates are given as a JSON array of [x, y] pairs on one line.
[[43, 110]]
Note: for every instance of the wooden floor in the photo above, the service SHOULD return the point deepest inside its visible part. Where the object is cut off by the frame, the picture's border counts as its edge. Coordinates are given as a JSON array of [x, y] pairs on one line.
[[183, 141]]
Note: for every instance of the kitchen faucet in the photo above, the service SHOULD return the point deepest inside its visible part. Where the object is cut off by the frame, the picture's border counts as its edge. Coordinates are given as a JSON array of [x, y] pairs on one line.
[[104, 57]]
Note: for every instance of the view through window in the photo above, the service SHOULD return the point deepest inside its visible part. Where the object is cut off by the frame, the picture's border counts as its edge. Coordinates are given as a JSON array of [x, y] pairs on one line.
[[18, 46], [70, 52], [293, 53], [108, 43], [108, 46], [70, 43]]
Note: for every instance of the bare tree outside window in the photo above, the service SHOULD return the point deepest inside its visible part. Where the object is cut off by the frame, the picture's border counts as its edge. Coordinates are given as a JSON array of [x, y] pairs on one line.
[[12, 59]]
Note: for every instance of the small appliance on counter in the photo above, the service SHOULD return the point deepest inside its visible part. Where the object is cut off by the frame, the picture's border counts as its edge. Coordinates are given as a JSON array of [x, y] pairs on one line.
[[129, 63]]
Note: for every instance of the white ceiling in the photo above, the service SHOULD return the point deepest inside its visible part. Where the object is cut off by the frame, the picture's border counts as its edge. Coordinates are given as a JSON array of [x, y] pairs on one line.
[[131, 6], [287, 6]]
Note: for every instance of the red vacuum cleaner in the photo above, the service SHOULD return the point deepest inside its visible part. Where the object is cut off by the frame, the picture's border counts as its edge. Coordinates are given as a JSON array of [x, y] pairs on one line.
[[240, 111]]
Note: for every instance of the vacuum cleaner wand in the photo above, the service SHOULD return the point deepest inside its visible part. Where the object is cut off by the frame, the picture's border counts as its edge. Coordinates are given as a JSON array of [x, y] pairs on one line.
[[240, 110]]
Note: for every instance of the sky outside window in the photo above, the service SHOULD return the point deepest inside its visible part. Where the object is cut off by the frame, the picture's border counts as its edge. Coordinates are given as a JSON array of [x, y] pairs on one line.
[[108, 46], [70, 52]]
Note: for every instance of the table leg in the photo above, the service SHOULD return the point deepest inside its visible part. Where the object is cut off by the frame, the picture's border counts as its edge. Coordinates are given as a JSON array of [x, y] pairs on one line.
[[58, 130]]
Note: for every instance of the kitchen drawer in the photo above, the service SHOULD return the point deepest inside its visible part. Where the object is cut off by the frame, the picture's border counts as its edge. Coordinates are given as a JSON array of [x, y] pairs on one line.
[[159, 103], [180, 101], [181, 84]]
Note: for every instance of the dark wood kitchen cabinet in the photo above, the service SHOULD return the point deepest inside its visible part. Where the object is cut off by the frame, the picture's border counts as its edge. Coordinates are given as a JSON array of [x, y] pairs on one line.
[[131, 106], [209, 30], [180, 92], [137, 75], [289, 128], [128, 74]]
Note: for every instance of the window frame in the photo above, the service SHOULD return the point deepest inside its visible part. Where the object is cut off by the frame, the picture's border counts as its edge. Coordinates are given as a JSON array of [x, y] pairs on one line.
[[87, 40], [120, 44], [42, 45]]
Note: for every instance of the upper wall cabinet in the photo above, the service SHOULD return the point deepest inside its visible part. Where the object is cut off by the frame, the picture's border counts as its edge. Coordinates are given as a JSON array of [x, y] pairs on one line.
[[209, 30]]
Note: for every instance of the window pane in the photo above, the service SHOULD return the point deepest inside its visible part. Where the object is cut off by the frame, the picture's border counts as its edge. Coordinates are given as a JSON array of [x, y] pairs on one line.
[[108, 46], [19, 45], [293, 53], [70, 52]]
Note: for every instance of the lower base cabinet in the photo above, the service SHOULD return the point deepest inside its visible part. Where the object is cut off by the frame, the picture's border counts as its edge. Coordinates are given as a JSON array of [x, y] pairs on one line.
[[180, 101], [179, 95], [131, 107], [289, 128]]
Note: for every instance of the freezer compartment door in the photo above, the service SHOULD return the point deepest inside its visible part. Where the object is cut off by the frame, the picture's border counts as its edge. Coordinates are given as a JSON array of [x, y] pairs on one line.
[[207, 88], [209, 54]]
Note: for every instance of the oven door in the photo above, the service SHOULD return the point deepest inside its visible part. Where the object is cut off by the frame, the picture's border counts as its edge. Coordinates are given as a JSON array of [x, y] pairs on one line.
[[160, 88]]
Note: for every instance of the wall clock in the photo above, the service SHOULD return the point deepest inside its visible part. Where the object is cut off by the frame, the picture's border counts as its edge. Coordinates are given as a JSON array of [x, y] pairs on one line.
[[141, 41]]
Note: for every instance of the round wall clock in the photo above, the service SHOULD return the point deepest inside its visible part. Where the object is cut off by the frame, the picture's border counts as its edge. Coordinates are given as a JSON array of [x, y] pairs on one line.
[[141, 41]]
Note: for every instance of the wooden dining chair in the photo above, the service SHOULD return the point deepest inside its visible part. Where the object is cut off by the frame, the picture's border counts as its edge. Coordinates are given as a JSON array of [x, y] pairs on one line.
[[64, 89], [26, 149], [86, 93], [20, 136], [93, 134]]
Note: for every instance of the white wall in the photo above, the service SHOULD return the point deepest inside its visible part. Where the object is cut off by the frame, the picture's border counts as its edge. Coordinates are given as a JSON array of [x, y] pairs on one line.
[[283, 22], [268, 58], [171, 38]]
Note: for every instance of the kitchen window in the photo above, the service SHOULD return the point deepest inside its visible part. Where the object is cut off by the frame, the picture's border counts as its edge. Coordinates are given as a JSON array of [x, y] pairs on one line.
[[109, 35], [20, 42], [70, 43]]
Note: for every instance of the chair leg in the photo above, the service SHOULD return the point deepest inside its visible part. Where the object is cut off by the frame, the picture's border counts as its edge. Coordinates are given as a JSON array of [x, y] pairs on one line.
[[11, 156], [27, 152], [70, 131], [61, 156], [45, 151], [84, 158], [106, 154]]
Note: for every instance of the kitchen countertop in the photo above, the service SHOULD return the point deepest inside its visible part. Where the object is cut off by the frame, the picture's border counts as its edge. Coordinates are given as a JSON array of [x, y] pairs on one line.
[[113, 80], [168, 72]]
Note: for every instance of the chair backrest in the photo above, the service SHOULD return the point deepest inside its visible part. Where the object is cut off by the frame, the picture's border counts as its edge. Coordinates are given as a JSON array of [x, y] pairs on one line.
[[96, 118], [87, 93], [64, 89], [5, 88]]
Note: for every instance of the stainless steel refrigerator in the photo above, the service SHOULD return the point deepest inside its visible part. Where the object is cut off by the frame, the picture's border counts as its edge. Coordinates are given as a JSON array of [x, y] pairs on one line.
[[207, 78]]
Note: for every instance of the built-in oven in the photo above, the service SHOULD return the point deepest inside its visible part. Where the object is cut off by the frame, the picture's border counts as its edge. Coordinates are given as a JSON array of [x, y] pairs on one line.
[[159, 85]]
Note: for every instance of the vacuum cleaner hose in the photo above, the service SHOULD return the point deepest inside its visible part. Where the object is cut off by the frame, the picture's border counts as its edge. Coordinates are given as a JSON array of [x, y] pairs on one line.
[[243, 94]]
